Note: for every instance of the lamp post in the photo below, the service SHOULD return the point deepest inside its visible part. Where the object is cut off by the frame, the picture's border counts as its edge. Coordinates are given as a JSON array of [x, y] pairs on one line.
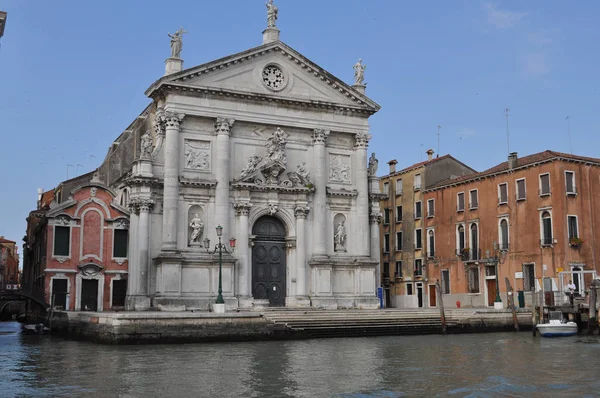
[[499, 257], [220, 248]]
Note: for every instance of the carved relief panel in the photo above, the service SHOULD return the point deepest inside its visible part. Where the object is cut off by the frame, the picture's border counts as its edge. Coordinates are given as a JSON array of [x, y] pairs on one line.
[[340, 170], [197, 155]]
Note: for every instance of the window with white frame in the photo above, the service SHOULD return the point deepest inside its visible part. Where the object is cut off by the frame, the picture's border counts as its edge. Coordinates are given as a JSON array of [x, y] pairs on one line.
[[399, 186], [62, 241], [502, 193], [120, 243], [386, 243], [418, 239], [460, 201], [570, 182], [529, 277], [399, 240], [386, 216], [417, 183], [398, 213], [521, 195], [398, 273], [473, 280], [503, 233], [445, 284], [545, 184], [418, 210], [573, 227], [418, 267], [430, 208], [474, 248], [430, 243], [546, 225], [386, 188], [460, 238], [473, 199]]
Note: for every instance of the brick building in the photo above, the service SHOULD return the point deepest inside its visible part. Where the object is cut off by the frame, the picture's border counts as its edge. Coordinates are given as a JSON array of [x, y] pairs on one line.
[[9, 264], [404, 212], [76, 246], [535, 215]]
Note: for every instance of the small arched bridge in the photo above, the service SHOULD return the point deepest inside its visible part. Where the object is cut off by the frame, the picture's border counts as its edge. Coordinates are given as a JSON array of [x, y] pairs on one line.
[[19, 295]]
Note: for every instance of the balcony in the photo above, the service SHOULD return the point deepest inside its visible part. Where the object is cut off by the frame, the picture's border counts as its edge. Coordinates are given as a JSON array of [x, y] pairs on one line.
[[468, 254], [503, 246], [418, 271]]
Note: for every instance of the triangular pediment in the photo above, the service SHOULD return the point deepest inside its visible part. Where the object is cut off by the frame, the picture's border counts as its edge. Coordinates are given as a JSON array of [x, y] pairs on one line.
[[274, 70]]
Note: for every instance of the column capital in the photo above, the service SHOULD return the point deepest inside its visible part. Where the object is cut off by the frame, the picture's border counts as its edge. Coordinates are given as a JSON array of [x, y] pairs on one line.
[[142, 205], [320, 136], [301, 211], [242, 208], [223, 126], [171, 119], [361, 140], [159, 124], [375, 218]]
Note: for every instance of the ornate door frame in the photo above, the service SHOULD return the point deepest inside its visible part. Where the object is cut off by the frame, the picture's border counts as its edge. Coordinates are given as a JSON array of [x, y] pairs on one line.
[[269, 268]]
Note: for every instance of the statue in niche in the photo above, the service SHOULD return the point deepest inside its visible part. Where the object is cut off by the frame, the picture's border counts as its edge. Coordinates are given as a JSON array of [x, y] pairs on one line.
[[373, 164], [272, 13], [359, 72], [176, 42], [339, 238], [146, 146], [197, 227], [250, 168]]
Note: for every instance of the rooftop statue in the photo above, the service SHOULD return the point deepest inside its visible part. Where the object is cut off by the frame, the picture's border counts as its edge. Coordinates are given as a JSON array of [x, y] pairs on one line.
[[272, 12], [359, 72], [176, 42]]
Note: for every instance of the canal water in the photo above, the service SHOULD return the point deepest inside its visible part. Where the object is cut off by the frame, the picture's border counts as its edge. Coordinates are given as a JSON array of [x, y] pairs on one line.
[[474, 365]]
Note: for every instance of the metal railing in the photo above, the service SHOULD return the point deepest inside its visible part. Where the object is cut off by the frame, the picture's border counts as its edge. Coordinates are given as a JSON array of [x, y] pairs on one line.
[[468, 254]]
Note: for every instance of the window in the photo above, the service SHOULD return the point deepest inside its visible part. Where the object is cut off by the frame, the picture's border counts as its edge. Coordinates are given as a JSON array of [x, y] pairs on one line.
[[418, 210], [399, 186], [418, 239], [473, 199], [430, 243], [502, 193], [460, 201], [398, 213], [546, 229], [473, 276], [430, 208], [474, 242], [386, 188], [119, 292], [529, 277], [398, 273], [399, 240], [460, 238], [573, 227], [417, 182], [570, 182], [62, 241], [445, 274], [544, 184], [386, 243], [521, 189], [409, 289], [503, 234], [386, 216], [418, 267], [121, 240], [386, 269]]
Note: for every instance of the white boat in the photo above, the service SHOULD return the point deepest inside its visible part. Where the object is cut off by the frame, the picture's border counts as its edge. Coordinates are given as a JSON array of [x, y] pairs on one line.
[[557, 326]]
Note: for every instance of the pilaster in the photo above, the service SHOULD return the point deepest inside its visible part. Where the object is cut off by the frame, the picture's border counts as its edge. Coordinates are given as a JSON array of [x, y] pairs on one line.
[[301, 212], [242, 210], [320, 196], [223, 130], [361, 142], [137, 286], [171, 123]]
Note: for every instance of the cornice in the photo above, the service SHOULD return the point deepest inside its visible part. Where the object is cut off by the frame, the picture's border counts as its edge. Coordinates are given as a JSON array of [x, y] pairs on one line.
[[243, 186], [187, 182], [342, 192]]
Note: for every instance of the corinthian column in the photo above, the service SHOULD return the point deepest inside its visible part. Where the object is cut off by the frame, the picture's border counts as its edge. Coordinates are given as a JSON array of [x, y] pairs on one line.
[[361, 142], [171, 122], [223, 129], [320, 197], [242, 209], [301, 212], [137, 285], [375, 220]]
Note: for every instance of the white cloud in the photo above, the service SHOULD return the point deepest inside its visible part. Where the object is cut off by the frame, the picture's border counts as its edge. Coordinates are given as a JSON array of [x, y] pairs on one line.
[[535, 64], [502, 19]]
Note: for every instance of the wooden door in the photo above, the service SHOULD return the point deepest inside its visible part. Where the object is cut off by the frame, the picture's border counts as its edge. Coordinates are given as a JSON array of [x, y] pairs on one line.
[[269, 261], [89, 295], [491, 291], [432, 296]]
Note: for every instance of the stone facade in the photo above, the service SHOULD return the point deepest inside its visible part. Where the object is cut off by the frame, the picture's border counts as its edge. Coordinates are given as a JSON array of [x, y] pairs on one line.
[[272, 148], [9, 265]]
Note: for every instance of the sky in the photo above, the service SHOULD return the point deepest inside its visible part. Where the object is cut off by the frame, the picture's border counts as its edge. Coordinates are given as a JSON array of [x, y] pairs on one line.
[[73, 75]]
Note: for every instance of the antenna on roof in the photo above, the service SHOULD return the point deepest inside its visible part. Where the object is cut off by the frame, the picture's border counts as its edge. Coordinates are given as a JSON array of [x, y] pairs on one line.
[[569, 130], [438, 134], [77, 168], [506, 112], [69, 165]]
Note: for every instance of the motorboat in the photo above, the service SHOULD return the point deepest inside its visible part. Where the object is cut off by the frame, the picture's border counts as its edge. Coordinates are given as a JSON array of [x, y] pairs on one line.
[[557, 326]]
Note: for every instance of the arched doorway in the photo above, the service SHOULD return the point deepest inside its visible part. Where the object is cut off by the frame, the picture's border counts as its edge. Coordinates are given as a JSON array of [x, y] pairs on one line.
[[268, 261]]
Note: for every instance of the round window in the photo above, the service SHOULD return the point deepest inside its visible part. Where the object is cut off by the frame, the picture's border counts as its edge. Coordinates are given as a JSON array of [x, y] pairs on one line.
[[273, 77]]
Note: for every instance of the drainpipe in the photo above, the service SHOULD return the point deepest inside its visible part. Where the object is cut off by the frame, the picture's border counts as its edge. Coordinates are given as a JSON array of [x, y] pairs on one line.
[[590, 200]]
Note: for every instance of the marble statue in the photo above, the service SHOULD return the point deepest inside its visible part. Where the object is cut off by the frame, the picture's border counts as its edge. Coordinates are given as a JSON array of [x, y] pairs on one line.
[[373, 164], [146, 146], [250, 168], [276, 147], [176, 43], [340, 237], [272, 13], [359, 72], [197, 226]]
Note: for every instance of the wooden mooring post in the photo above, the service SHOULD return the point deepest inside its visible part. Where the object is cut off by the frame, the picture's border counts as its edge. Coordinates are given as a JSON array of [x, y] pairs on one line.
[[593, 312], [438, 291], [511, 304]]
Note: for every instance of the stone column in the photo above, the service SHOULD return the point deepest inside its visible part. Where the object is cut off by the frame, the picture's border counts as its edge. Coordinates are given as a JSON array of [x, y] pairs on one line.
[[361, 143], [223, 129], [138, 278], [242, 209], [171, 179], [301, 211], [375, 220], [320, 196], [132, 255]]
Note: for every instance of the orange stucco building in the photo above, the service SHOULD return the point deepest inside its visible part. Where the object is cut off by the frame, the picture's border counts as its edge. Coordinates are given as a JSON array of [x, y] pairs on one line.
[[537, 216]]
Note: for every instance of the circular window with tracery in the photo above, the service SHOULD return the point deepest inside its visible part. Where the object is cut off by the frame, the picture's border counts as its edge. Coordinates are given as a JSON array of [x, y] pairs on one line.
[[273, 77]]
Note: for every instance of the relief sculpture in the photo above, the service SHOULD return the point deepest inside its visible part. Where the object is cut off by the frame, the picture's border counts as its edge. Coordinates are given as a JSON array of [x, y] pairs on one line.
[[197, 155], [339, 169]]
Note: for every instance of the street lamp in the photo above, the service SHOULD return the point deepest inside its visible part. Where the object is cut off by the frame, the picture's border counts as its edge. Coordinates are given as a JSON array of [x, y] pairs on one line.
[[220, 247], [499, 257]]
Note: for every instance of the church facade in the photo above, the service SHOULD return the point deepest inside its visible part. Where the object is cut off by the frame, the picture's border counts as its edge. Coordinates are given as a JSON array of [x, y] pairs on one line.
[[271, 148]]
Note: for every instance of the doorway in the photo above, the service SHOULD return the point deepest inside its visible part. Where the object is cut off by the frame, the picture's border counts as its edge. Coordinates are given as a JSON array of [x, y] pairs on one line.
[[89, 295], [268, 261], [420, 294], [577, 280], [432, 296], [59, 291], [491, 291], [119, 291]]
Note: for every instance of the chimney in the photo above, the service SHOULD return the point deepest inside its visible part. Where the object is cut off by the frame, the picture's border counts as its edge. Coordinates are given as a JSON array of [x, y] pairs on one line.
[[512, 160], [39, 201], [429, 154], [392, 164]]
